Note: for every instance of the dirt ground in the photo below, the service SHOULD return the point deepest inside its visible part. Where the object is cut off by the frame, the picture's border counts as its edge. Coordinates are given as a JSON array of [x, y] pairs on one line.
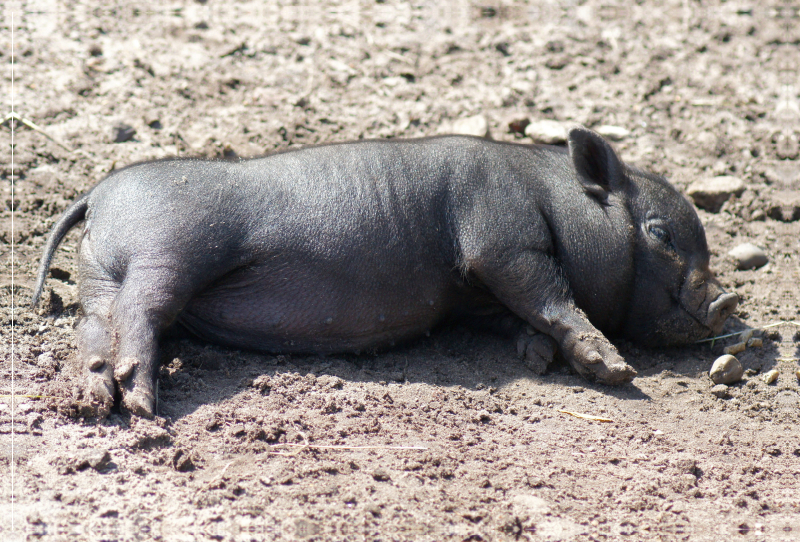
[[450, 437]]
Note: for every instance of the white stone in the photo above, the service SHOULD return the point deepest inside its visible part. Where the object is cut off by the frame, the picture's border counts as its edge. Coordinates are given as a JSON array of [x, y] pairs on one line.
[[531, 504], [476, 125], [770, 376], [748, 256], [614, 133], [726, 370], [549, 132], [711, 193]]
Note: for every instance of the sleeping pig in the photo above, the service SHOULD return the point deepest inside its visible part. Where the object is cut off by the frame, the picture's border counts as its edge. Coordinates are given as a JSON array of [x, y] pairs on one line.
[[355, 246]]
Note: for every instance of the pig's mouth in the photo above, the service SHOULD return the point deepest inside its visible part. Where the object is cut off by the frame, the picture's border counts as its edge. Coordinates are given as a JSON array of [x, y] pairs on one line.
[[710, 316], [685, 323], [704, 330], [689, 314]]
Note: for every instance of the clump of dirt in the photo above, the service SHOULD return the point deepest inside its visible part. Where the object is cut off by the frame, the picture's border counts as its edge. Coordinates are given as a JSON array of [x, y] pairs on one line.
[[450, 437]]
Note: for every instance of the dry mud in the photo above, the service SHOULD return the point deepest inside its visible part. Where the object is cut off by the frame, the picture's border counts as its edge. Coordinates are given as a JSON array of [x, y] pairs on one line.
[[704, 89]]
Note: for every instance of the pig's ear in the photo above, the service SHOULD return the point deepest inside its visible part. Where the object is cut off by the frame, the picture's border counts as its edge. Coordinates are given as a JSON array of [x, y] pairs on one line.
[[598, 168]]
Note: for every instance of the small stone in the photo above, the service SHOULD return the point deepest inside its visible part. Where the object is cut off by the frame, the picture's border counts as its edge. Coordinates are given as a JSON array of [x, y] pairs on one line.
[[721, 391], [755, 342], [748, 256], [686, 464], [734, 348], [770, 376], [122, 132], [558, 62], [517, 126], [152, 120], [381, 475], [97, 459], [182, 461], [783, 205], [746, 336], [710, 194], [474, 126], [726, 370], [797, 374], [549, 132], [614, 133]]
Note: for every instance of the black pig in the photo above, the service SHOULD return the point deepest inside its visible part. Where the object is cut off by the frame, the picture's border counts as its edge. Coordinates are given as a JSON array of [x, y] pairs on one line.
[[359, 245]]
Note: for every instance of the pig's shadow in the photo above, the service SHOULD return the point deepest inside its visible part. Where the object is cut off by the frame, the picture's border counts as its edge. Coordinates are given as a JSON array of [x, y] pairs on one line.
[[194, 373]]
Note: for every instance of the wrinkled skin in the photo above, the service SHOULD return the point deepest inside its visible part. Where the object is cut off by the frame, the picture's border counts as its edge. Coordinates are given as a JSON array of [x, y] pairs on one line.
[[360, 245]]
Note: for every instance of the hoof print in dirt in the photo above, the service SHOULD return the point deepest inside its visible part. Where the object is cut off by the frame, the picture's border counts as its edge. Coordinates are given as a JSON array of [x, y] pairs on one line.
[[357, 246]]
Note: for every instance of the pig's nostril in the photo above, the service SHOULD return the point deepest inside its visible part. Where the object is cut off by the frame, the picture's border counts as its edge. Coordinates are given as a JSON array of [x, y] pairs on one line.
[[722, 308]]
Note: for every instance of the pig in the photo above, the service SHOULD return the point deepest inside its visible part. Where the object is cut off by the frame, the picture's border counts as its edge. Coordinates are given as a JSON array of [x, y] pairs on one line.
[[357, 246]]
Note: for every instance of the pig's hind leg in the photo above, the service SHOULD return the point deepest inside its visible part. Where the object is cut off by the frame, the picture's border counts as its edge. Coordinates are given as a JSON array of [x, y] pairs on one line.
[[148, 302], [118, 334], [94, 395]]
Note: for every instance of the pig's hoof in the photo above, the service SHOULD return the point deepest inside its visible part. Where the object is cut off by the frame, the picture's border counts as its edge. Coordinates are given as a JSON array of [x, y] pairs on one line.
[[601, 362], [96, 397], [140, 403], [614, 373], [536, 350]]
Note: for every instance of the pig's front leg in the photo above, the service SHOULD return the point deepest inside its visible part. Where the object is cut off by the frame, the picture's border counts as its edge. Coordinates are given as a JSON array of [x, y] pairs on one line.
[[533, 286]]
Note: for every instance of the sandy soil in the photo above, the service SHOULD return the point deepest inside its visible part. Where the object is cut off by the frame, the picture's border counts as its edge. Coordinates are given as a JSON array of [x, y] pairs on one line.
[[704, 91]]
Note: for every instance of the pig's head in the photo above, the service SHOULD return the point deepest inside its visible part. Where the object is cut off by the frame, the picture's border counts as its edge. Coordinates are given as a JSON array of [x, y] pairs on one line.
[[675, 298]]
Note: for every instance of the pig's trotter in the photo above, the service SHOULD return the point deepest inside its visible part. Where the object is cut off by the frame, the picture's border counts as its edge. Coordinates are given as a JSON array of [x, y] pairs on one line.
[[536, 350], [596, 359], [137, 392], [94, 397], [140, 402]]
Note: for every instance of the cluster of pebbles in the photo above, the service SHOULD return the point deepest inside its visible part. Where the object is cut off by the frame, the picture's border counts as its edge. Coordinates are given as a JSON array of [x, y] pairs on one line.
[[728, 370]]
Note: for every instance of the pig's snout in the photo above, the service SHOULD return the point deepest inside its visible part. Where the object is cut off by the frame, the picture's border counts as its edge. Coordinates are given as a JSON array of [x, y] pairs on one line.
[[720, 309]]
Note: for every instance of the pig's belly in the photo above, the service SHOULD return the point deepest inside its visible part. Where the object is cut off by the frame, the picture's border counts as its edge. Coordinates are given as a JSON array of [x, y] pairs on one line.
[[315, 312]]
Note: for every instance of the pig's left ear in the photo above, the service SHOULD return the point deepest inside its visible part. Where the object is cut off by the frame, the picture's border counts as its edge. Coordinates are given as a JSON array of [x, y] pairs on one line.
[[598, 168]]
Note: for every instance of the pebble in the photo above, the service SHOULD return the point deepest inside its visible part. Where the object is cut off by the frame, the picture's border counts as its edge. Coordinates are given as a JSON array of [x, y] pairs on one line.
[[770, 376], [182, 461], [734, 348], [97, 459], [685, 463], [755, 342], [614, 133], [518, 125], [474, 126], [381, 475], [153, 121], [726, 370], [122, 132], [748, 256], [721, 391], [549, 132], [710, 194]]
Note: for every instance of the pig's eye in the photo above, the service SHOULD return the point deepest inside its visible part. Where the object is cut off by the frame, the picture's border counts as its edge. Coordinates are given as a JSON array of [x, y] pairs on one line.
[[660, 233]]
